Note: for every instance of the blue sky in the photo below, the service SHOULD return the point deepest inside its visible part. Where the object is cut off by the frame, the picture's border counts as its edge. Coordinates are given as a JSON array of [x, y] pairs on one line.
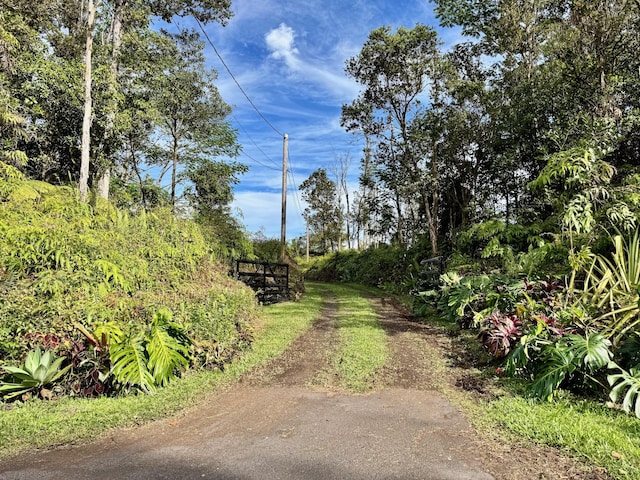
[[289, 58]]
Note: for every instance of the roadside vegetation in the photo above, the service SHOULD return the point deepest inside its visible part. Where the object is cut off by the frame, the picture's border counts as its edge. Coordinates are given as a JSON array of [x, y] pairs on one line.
[[38, 424], [558, 363]]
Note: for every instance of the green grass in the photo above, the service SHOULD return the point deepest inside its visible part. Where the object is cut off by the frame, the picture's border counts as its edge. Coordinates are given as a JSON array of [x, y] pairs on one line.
[[362, 351], [602, 436], [38, 424]]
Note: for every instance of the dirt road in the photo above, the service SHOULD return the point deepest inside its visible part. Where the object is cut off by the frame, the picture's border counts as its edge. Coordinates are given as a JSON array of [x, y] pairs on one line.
[[289, 420]]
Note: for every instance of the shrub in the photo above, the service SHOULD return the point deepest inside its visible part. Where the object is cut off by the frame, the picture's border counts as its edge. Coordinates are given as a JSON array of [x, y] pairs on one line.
[[65, 263]]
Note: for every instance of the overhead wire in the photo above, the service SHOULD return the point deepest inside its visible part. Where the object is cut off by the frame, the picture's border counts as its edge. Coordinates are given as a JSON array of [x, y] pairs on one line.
[[274, 167], [236, 81], [295, 190]]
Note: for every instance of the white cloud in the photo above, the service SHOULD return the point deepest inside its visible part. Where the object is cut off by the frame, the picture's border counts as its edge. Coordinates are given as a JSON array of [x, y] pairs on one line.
[[325, 73], [281, 43]]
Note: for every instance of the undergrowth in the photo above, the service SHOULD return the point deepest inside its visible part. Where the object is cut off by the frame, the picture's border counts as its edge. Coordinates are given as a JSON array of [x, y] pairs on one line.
[[69, 269]]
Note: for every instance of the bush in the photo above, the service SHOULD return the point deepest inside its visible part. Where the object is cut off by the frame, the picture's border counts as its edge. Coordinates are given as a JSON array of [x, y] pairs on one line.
[[66, 266]]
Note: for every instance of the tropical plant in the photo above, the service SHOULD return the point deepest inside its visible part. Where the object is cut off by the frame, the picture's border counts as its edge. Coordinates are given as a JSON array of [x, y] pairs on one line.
[[572, 355], [629, 382], [40, 370], [499, 332], [149, 357], [611, 288]]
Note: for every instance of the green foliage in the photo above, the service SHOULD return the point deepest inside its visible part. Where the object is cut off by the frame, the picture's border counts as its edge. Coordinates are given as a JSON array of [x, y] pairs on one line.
[[611, 288], [569, 355], [514, 249], [40, 370], [64, 263], [130, 363], [387, 267], [627, 383], [557, 362], [151, 357], [167, 347]]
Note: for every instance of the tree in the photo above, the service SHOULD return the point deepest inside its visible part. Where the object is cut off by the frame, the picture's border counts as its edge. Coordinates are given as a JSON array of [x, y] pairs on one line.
[[212, 190], [210, 193], [400, 72], [127, 15], [192, 113], [343, 163], [323, 215], [86, 122], [12, 125]]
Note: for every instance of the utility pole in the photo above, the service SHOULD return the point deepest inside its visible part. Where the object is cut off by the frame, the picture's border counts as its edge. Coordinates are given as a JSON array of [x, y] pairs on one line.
[[307, 240], [283, 223]]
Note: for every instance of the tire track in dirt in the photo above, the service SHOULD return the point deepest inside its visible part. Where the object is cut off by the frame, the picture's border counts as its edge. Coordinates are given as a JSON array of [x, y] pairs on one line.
[[307, 361]]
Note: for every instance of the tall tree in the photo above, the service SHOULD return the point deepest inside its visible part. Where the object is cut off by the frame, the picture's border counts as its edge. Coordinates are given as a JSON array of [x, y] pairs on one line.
[[399, 72], [342, 165], [127, 15], [322, 214], [192, 113]]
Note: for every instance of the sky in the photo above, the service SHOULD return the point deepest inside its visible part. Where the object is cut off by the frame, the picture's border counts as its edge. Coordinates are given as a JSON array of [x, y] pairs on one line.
[[288, 57]]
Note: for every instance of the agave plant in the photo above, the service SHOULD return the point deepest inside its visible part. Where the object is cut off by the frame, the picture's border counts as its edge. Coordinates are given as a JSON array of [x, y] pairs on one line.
[[40, 370]]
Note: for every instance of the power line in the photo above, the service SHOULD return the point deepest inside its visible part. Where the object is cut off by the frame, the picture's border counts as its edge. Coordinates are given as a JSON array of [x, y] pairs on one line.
[[236, 81], [295, 190], [259, 162], [275, 165]]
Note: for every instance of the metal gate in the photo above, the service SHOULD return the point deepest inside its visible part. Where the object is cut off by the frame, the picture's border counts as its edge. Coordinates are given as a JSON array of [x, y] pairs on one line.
[[269, 280]]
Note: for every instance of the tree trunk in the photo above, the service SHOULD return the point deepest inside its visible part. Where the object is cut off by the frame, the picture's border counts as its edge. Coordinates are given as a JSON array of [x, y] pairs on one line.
[[86, 121], [115, 35], [174, 174]]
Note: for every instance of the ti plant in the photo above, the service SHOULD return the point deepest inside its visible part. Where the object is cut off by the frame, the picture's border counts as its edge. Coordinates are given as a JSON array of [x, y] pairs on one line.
[[40, 370]]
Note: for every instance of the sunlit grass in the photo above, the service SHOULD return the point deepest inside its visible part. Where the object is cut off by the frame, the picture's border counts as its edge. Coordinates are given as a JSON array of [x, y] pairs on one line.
[[586, 429], [362, 351], [39, 424]]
